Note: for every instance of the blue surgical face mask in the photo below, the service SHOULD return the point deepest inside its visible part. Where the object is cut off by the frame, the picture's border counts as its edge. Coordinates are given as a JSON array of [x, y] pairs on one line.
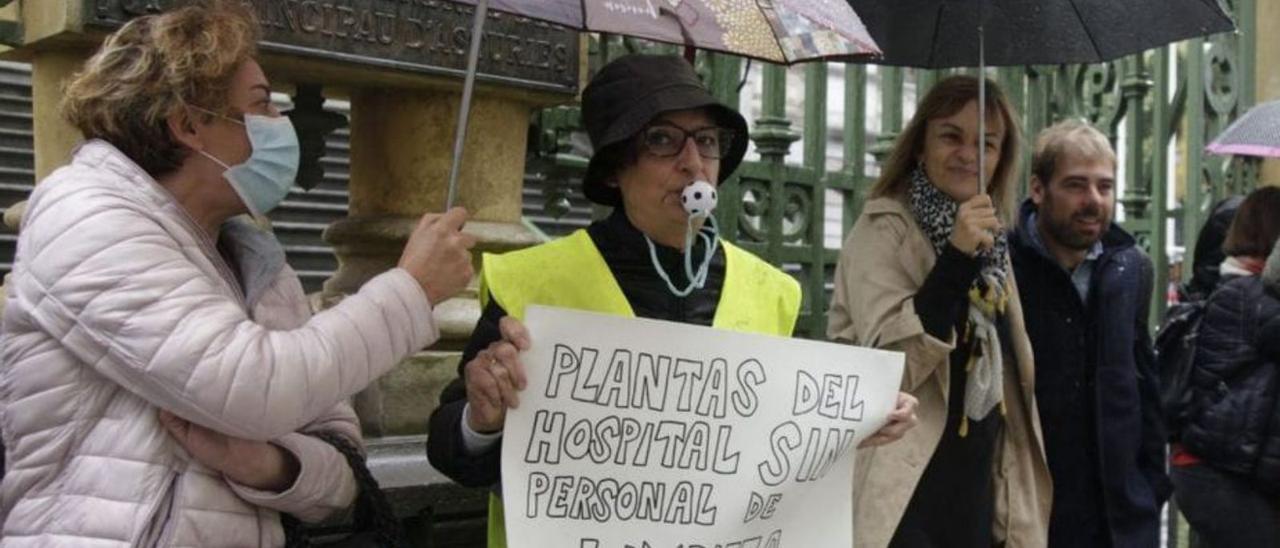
[[264, 179], [699, 200]]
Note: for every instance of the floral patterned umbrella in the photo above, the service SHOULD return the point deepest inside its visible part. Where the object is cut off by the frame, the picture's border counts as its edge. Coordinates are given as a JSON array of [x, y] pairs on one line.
[[778, 31]]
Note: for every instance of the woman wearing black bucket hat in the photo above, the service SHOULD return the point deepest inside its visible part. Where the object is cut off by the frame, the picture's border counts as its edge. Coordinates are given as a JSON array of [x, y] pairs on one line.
[[660, 137]]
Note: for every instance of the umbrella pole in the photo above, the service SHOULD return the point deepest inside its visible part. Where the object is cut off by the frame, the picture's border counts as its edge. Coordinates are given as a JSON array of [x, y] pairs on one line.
[[464, 111], [982, 107]]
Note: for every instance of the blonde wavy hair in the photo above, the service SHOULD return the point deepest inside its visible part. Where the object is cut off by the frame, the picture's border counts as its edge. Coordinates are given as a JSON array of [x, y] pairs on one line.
[[946, 98], [152, 67]]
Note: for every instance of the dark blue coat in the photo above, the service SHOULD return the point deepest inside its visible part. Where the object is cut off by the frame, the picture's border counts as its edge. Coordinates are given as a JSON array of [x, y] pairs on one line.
[[1096, 391], [1232, 422]]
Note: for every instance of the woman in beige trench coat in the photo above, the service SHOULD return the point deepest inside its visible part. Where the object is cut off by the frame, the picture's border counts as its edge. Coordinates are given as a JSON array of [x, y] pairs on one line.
[[926, 272]]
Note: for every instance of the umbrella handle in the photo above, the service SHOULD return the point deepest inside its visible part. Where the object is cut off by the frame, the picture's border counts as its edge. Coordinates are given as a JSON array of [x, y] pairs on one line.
[[690, 52], [745, 74]]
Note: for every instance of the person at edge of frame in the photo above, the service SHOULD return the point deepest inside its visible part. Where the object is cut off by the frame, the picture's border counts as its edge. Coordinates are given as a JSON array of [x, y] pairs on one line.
[[164, 381], [1225, 458]]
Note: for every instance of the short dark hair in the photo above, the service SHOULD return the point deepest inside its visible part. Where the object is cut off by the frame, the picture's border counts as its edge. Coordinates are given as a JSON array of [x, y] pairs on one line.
[[1254, 231]]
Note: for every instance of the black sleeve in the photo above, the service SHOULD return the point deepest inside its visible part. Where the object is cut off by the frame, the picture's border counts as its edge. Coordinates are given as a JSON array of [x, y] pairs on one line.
[[445, 447], [945, 291], [1268, 339], [1152, 460]]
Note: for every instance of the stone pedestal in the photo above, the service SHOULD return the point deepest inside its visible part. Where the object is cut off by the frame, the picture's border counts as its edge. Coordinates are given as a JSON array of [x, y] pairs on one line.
[[401, 146], [401, 143]]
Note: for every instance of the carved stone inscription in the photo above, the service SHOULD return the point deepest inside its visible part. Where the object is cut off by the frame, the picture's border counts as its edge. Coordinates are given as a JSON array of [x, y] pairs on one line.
[[428, 36]]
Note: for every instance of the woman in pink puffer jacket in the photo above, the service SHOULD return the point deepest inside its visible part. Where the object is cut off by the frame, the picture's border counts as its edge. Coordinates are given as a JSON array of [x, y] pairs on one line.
[[159, 368]]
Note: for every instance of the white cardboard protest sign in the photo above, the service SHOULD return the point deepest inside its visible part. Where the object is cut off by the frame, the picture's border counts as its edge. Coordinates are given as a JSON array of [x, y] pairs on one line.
[[641, 433]]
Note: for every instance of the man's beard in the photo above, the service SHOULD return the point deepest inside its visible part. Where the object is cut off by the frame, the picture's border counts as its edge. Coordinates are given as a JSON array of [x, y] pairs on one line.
[[1065, 235]]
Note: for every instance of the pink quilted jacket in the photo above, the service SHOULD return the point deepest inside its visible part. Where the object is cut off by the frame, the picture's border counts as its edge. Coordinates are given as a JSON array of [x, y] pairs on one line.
[[118, 306]]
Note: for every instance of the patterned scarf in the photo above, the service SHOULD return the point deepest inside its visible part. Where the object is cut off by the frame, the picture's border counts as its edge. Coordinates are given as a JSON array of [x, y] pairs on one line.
[[935, 212]]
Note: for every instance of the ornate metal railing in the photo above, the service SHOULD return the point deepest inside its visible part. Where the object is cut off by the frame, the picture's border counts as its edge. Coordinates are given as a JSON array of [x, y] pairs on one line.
[[1159, 109]]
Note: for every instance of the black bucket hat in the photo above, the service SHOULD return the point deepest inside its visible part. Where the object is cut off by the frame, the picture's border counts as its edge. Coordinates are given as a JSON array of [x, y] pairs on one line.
[[627, 94]]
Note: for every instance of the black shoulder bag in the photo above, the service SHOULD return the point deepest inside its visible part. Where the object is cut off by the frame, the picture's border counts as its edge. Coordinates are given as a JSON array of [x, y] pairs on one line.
[[374, 524]]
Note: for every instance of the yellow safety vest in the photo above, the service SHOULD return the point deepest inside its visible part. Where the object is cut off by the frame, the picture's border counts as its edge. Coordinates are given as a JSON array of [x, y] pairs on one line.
[[571, 273]]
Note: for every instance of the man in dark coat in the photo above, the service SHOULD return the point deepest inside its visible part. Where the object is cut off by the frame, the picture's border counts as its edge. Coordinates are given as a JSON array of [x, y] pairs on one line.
[[1085, 290]]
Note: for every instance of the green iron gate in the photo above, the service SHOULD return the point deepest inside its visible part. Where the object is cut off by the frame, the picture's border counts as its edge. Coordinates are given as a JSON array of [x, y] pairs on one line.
[[1160, 105], [1159, 109]]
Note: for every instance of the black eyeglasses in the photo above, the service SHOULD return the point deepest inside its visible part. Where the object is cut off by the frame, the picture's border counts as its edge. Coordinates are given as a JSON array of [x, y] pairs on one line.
[[668, 140]]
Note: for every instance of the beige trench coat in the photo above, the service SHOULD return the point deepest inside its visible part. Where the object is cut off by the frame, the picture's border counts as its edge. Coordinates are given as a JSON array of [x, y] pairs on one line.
[[883, 264]]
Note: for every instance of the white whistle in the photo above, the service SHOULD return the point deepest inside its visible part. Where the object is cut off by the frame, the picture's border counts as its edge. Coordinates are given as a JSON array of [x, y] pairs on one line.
[[699, 199]]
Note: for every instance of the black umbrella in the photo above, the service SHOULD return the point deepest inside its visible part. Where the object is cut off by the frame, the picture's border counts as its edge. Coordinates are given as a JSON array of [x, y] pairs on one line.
[[944, 33], [967, 33]]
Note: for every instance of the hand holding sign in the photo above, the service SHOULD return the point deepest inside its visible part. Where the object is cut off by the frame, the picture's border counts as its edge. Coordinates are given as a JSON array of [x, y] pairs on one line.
[[495, 376], [902, 418]]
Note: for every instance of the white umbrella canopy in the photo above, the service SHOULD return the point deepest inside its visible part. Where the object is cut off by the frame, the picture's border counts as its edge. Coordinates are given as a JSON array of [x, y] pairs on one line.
[[1256, 133], [778, 31]]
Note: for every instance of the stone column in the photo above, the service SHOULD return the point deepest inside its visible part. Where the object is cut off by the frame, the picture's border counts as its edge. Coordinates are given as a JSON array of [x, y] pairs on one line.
[[1266, 78], [54, 138], [401, 142]]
